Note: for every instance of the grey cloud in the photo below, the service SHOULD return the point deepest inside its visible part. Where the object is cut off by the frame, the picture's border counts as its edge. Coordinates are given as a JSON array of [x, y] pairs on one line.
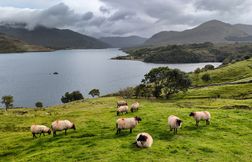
[[139, 17]]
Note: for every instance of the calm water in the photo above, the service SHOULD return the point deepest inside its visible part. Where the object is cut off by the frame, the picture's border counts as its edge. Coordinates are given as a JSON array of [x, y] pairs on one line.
[[28, 76]]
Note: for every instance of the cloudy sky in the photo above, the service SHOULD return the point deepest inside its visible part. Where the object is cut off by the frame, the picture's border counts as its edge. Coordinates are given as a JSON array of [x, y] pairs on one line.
[[123, 17]]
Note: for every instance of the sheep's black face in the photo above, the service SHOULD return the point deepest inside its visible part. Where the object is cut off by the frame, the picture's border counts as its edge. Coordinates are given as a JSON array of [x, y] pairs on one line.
[[73, 127], [49, 132], [191, 114], [179, 122], [142, 138], [138, 118]]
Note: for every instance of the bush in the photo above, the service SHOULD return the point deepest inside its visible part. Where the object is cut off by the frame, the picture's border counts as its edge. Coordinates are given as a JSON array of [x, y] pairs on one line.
[[197, 71], [69, 97], [39, 104], [209, 67], [206, 77]]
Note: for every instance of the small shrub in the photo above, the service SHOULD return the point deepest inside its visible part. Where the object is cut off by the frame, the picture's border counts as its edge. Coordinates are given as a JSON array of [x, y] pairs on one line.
[[39, 104], [206, 77], [209, 67]]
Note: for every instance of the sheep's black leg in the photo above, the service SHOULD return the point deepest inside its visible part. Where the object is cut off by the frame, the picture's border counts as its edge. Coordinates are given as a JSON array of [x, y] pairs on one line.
[[39, 134], [43, 133], [207, 122], [176, 130], [34, 135], [130, 130], [65, 131], [197, 123], [170, 128], [54, 133]]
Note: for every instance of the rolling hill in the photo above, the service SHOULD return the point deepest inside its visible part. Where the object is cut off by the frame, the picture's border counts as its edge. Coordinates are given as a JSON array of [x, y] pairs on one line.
[[10, 44], [123, 42], [212, 31], [53, 38], [244, 27]]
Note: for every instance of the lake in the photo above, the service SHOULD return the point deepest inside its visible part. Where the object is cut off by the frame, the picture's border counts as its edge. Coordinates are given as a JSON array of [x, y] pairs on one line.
[[29, 76]]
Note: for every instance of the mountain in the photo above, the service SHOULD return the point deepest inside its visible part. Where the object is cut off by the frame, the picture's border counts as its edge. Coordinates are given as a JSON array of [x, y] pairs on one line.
[[53, 38], [10, 44], [122, 42], [244, 27], [212, 31]]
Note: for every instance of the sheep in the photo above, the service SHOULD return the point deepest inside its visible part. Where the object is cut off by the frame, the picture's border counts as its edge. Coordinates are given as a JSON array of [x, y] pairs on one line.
[[127, 123], [122, 109], [201, 115], [144, 140], [121, 103], [134, 107], [38, 129], [174, 122], [60, 125]]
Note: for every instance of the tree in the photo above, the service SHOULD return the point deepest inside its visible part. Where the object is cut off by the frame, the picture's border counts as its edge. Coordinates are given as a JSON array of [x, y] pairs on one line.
[[7, 101], [39, 104], [208, 67], [69, 97], [166, 81], [94, 92], [206, 77]]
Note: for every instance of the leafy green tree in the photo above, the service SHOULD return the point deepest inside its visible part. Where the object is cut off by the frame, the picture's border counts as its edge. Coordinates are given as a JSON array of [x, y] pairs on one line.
[[166, 81], [94, 92], [206, 77], [69, 97], [7, 101], [39, 104]]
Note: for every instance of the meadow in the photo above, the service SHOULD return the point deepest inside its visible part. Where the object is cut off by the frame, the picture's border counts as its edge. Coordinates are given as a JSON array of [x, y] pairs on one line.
[[227, 138]]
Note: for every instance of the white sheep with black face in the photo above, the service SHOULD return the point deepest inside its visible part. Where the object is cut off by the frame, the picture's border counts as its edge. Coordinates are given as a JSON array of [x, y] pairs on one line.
[[121, 103], [40, 129], [201, 115], [174, 123], [127, 123], [134, 107], [122, 109], [144, 140], [60, 125]]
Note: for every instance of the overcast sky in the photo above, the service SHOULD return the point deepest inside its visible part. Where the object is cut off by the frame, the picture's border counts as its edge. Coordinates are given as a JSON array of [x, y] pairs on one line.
[[123, 17]]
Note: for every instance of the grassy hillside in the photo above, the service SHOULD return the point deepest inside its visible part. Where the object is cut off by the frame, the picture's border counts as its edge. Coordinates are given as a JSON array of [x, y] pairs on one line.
[[228, 138], [236, 72], [9, 44]]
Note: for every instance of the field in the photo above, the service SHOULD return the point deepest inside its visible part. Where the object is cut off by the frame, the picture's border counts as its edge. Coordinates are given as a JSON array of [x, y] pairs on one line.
[[227, 138]]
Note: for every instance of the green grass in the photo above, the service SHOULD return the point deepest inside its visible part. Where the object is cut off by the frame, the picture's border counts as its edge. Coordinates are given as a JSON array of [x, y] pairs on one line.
[[241, 70], [228, 138], [235, 91]]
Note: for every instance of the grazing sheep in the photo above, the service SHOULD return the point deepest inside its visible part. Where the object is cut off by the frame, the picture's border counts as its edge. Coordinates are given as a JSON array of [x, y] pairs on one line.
[[127, 123], [122, 109], [60, 125], [201, 115], [134, 107], [174, 122], [121, 103], [38, 129], [144, 140]]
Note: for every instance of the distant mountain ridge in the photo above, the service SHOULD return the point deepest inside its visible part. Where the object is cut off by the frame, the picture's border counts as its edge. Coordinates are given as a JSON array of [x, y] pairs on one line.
[[53, 38], [212, 31], [10, 44], [123, 42]]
